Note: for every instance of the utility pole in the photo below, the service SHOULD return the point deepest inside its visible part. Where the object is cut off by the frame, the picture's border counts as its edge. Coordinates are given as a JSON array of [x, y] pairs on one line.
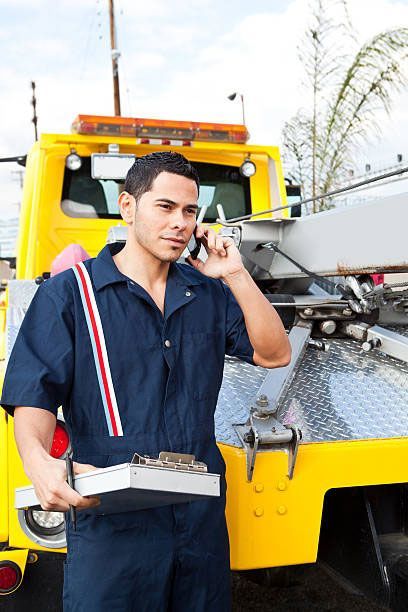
[[115, 56], [34, 105]]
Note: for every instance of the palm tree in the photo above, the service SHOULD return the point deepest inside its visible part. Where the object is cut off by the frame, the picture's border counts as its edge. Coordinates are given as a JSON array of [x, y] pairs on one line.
[[347, 91]]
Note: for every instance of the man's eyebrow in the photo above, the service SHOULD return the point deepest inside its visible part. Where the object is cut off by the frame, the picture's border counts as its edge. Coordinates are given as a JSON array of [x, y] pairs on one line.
[[175, 203]]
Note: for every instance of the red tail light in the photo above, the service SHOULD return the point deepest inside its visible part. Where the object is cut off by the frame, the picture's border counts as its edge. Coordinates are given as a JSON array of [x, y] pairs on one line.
[[60, 442], [10, 576]]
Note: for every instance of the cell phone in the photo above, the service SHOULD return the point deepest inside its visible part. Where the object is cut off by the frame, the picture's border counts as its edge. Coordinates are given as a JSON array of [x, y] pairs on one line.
[[194, 245]]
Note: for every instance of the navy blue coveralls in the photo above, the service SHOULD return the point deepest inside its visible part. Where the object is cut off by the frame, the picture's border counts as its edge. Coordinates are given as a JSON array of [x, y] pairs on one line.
[[167, 371]]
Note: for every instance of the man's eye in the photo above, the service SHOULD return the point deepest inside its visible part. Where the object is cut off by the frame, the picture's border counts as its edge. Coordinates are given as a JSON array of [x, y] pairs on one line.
[[191, 211], [167, 206]]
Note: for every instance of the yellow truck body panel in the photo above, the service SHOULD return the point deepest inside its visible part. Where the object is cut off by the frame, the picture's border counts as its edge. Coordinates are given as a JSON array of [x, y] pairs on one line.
[[274, 521]]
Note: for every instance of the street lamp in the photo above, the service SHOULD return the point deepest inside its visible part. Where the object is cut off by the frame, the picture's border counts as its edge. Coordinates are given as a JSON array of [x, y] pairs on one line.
[[232, 97]]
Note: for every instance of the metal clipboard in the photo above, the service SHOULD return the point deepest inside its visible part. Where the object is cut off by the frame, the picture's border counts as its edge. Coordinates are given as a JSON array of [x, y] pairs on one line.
[[144, 483]]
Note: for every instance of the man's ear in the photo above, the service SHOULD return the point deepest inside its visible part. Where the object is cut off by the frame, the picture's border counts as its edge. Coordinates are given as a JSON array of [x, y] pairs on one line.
[[127, 205]]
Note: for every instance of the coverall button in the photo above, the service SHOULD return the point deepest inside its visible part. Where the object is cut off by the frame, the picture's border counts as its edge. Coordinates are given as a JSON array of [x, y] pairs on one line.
[[167, 343], [188, 293]]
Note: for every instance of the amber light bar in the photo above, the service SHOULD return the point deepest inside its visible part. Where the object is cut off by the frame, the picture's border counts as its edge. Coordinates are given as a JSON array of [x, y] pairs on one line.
[[169, 132]]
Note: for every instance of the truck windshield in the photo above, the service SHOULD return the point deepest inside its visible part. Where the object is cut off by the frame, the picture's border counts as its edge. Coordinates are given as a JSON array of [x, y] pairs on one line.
[[83, 196]]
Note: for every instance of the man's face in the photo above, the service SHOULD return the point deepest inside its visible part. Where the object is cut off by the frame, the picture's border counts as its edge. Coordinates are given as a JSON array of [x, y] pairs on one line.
[[165, 217]]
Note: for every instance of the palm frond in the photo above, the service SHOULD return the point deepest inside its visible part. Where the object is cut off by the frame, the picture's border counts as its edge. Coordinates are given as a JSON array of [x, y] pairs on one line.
[[347, 89], [376, 72]]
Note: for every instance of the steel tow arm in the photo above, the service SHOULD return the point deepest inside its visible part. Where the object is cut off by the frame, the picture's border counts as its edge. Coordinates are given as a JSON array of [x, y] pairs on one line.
[[263, 431]]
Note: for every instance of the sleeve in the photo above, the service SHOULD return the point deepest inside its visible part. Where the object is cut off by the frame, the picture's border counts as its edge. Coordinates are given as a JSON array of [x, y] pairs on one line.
[[237, 340], [40, 369]]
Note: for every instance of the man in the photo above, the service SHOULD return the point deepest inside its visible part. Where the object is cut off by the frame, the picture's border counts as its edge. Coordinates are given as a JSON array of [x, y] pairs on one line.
[[166, 330]]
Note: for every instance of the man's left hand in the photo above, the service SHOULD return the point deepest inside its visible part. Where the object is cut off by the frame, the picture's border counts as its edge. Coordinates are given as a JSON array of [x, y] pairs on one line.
[[223, 259]]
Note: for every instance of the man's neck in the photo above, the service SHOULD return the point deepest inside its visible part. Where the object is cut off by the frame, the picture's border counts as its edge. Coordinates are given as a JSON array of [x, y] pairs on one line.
[[142, 267]]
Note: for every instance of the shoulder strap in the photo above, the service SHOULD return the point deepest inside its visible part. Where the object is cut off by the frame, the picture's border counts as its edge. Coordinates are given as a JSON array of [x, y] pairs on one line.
[[100, 354]]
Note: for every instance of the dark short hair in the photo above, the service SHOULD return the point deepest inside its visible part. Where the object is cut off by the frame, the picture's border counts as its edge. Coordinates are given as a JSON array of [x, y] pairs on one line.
[[143, 172]]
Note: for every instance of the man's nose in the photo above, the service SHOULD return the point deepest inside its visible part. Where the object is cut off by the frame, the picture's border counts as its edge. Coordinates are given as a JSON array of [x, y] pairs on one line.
[[178, 221]]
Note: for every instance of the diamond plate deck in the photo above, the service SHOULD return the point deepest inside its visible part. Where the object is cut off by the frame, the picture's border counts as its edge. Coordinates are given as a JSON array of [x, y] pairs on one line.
[[403, 330], [344, 394]]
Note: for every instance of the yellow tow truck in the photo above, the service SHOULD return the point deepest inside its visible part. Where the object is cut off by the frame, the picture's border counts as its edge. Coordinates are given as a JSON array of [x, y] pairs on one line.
[[316, 452]]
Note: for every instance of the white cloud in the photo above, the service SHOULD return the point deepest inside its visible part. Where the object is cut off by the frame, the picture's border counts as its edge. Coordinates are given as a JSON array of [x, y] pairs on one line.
[[384, 15], [179, 60], [147, 59]]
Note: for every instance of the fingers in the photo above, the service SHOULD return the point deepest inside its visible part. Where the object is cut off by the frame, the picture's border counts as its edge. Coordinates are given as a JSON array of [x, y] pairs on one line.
[[215, 243], [60, 496], [53, 491], [200, 231], [196, 263], [89, 502], [228, 242], [210, 235], [58, 504], [75, 499], [54, 504], [219, 245], [82, 468]]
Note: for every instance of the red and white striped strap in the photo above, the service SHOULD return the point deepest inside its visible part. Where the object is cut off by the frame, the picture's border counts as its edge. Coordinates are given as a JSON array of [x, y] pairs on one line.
[[100, 354]]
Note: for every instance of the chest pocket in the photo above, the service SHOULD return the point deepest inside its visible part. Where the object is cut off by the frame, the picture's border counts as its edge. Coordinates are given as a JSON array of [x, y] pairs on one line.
[[202, 362]]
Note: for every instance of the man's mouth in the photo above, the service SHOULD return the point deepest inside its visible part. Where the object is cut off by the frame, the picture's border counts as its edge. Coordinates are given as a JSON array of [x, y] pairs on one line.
[[176, 241]]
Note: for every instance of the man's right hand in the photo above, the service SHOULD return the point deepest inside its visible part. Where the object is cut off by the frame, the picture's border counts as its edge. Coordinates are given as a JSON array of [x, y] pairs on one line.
[[34, 430], [48, 476]]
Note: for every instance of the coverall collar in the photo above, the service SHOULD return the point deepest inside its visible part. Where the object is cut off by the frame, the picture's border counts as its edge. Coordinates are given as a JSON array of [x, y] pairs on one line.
[[105, 272]]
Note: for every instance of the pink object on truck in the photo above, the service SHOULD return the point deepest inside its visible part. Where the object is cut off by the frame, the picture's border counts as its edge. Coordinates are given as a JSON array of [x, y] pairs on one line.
[[377, 278], [71, 255]]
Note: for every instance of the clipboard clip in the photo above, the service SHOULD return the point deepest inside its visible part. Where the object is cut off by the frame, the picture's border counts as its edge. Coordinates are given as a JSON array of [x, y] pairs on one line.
[[175, 461]]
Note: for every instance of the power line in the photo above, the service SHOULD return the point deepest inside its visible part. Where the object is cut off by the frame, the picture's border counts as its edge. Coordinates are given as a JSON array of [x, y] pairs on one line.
[[320, 196], [92, 23]]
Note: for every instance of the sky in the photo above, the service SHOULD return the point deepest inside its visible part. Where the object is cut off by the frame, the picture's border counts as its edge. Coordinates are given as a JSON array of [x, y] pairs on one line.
[[179, 60]]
